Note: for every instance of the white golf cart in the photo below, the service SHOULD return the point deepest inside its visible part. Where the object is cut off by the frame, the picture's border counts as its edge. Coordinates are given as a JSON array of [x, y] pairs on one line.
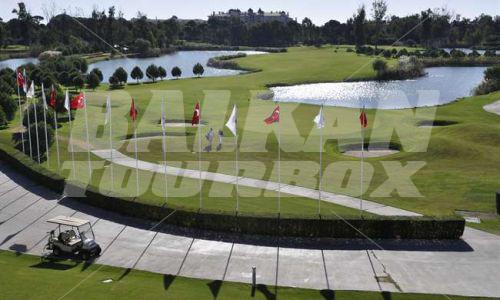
[[72, 236]]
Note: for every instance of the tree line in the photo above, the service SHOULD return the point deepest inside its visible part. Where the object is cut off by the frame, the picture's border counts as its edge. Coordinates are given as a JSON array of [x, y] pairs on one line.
[[368, 25]]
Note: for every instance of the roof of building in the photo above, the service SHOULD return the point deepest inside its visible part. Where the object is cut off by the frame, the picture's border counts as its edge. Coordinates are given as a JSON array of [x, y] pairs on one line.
[[68, 221]]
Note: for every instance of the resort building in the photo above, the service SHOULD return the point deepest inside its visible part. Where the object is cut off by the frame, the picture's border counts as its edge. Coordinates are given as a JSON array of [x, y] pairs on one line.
[[250, 16]]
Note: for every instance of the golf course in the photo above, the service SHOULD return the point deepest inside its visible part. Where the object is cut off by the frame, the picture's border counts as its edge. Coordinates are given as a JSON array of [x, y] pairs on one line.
[[436, 170]]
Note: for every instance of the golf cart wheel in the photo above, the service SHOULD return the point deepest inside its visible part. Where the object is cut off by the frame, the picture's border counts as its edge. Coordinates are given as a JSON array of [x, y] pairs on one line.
[[56, 251], [85, 255]]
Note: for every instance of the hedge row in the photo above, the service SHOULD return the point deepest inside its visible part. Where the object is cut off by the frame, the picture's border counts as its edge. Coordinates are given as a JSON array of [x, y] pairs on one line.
[[375, 227]]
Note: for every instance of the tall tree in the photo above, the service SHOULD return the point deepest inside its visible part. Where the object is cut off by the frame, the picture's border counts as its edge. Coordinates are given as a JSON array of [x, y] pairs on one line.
[[379, 9], [359, 26]]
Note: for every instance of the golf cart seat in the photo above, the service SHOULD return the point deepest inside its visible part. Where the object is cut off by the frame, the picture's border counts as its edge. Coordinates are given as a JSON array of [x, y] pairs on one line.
[[69, 238]]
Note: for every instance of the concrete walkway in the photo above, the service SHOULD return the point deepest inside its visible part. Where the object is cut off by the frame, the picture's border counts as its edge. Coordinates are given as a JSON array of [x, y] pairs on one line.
[[369, 206], [493, 107], [468, 267]]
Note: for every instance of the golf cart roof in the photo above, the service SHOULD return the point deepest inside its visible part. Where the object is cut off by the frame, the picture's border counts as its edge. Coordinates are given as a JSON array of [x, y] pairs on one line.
[[68, 221]]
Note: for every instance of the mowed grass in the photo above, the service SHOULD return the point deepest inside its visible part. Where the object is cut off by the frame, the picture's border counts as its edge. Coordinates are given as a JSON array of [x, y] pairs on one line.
[[459, 163], [28, 277]]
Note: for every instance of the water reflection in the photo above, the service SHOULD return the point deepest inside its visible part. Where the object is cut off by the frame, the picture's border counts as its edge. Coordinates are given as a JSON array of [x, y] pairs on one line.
[[441, 85]]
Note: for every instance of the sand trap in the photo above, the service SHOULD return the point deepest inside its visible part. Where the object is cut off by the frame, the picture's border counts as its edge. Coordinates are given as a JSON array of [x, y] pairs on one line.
[[180, 125], [435, 123], [370, 153], [493, 107]]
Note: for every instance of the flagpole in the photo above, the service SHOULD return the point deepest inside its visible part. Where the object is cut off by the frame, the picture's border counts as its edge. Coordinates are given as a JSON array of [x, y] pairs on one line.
[[21, 128], [57, 141], [29, 125], [279, 162], [199, 155], [320, 163], [136, 162], [44, 99], [88, 141], [237, 172], [362, 167], [111, 144], [36, 133], [164, 144], [71, 138]]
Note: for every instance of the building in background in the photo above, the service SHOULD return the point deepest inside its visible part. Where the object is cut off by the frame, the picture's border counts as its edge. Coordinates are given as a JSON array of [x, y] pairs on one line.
[[251, 17]]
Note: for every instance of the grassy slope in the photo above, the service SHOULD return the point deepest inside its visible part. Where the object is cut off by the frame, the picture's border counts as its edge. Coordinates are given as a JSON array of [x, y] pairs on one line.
[[461, 160], [27, 277]]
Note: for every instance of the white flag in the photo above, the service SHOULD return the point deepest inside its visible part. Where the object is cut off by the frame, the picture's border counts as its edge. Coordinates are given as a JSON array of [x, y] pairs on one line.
[[44, 98], [319, 120], [233, 119], [108, 111], [66, 101], [163, 115], [31, 91], [25, 84]]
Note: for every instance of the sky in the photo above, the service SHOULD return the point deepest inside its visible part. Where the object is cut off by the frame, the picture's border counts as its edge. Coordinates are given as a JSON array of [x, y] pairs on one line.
[[319, 11]]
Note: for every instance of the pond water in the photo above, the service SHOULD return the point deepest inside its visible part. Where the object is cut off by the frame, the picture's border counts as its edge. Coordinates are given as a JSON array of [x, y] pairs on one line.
[[16, 62], [441, 85], [185, 60]]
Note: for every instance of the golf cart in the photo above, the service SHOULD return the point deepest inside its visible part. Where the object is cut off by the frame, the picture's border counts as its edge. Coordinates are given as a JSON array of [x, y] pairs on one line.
[[72, 236]]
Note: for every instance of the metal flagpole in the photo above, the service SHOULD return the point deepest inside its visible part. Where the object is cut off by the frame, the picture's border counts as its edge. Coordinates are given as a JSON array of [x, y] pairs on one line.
[[29, 125], [237, 171], [71, 139], [362, 167], [279, 161], [111, 143], [320, 162], [136, 163], [164, 144], [87, 133], [21, 117], [199, 154], [57, 141], [36, 133], [44, 100]]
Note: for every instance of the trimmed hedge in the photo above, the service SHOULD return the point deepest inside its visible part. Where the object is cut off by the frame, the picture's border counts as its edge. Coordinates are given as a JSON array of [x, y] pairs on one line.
[[31, 169], [375, 227]]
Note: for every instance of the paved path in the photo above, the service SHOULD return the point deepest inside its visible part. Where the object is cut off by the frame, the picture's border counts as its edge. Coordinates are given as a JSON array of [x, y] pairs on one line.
[[469, 267], [372, 207], [493, 107]]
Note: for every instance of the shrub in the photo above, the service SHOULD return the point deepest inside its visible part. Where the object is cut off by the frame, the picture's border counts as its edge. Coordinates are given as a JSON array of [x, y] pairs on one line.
[[379, 66], [176, 72], [137, 73], [121, 75], [491, 81], [78, 81], [162, 73], [8, 105], [490, 53], [98, 73], [3, 118], [114, 82], [198, 70], [93, 81], [457, 53], [152, 72]]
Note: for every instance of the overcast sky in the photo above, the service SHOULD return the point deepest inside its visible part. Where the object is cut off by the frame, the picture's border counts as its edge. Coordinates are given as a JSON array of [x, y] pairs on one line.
[[320, 11]]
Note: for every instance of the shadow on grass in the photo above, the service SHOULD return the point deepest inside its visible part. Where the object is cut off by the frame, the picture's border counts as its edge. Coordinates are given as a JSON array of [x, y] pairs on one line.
[[262, 288], [214, 287], [328, 294], [167, 281], [58, 264]]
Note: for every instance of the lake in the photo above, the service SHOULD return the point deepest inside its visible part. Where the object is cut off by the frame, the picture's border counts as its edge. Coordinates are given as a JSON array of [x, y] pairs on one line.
[[441, 85], [183, 59]]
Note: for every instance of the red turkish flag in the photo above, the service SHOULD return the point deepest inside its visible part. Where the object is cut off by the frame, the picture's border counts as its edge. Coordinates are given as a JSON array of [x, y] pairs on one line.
[[363, 119], [78, 101], [196, 114], [133, 111], [20, 79], [275, 117], [52, 102]]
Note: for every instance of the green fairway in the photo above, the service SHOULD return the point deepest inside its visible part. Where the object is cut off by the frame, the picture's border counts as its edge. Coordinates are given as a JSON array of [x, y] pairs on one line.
[[459, 162], [29, 277]]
